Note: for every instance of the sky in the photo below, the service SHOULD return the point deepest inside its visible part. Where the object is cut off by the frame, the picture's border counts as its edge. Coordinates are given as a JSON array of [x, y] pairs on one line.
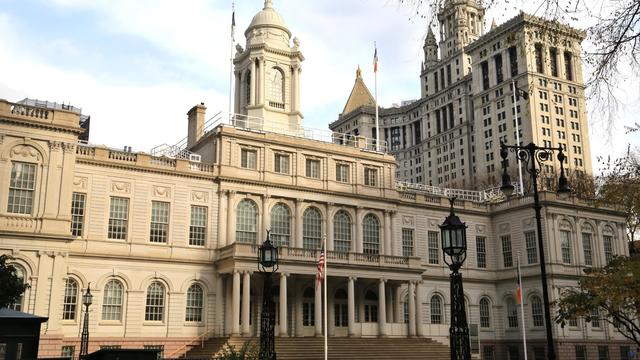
[[137, 67]]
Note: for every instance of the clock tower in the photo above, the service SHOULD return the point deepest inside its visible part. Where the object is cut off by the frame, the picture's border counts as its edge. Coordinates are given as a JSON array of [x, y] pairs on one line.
[[267, 75]]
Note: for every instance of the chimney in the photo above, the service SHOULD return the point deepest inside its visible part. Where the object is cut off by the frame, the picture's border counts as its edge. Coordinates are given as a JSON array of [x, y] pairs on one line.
[[196, 124]]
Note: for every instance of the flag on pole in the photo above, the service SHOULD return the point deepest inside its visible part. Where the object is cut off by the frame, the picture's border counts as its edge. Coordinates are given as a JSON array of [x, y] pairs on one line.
[[320, 270], [375, 58], [233, 22], [519, 289]]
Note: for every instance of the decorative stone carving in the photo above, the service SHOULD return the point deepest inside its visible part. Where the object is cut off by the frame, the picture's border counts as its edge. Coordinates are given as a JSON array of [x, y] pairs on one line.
[[68, 147], [80, 182], [408, 220], [527, 223], [25, 152], [199, 196], [504, 228], [55, 145], [162, 191], [121, 187], [432, 223], [480, 228]]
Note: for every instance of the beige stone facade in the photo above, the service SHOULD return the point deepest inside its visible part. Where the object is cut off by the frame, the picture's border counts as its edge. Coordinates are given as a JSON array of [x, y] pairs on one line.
[[168, 246]]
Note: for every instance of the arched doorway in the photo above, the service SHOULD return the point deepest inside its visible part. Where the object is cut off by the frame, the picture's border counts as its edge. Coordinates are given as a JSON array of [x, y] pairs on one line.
[[308, 312]]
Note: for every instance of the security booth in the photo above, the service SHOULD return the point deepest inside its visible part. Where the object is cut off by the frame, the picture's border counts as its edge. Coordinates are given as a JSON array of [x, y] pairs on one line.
[[19, 334]]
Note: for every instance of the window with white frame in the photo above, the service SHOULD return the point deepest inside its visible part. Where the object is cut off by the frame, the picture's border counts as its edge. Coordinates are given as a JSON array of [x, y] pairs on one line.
[[607, 242], [70, 301], [436, 309], [512, 313], [159, 229], [481, 251], [587, 248], [78, 201], [342, 231], [22, 188], [311, 228], [118, 218], [507, 255], [595, 318], [198, 226], [195, 301], [68, 351], [433, 246], [370, 176], [281, 163], [342, 172], [565, 246], [246, 222], [536, 311], [280, 224], [371, 234], [248, 158], [531, 246], [313, 168], [112, 300], [485, 313], [407, 242], [154, 309]]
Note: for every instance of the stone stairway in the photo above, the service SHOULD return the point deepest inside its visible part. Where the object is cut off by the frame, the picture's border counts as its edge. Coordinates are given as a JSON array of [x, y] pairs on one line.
[[311, 348]]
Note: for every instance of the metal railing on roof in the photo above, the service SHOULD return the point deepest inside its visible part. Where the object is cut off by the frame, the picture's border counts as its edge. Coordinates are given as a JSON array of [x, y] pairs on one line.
[[488, 195]]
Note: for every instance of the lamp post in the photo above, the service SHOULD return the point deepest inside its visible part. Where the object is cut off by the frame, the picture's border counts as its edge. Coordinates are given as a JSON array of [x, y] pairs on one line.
[[454, 247], [533, 154], [87, 300], [268, 265]]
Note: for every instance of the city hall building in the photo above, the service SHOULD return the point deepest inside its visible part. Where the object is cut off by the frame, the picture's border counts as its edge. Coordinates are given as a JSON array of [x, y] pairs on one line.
[[167, 241]]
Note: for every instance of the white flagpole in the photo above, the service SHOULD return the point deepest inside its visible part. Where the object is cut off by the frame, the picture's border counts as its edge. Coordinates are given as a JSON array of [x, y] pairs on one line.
[[233, 29], [515, 116], [376, 97], [326, 329], [524, 329]]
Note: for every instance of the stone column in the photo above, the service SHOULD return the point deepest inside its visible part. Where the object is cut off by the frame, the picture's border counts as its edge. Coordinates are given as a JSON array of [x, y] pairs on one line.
[[266, 224], [222, 222], [359, 238], [390, 301], [351, 307], [412, 309], [419, 319], [397, 310], [387, 233], [283, 304], [298, 222], [393, 248], [329, 227], [230, 218], [238, 92], [246, 302], [254, 75], [317, 307], [297, 71], [235, 316], [219, 301], [261, 78], [382, 308]]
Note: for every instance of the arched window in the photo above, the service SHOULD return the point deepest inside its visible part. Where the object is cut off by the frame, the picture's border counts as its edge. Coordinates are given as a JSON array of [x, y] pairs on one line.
[[247, 87], [194, 303], [607, 243], [436, 309], [311, 228], [371, 234], [20, 275], [308, 309], [512, 313], [246, 222], [154, 310], [536, 311], [280, 224], [370, 307], [340, 308], [112, 300], [485, 314], [276, 79], [342, 231], [70, 301]]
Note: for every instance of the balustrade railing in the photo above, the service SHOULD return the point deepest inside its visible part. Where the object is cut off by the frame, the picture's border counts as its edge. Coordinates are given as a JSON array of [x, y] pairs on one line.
[[123, 156], [29, 111]]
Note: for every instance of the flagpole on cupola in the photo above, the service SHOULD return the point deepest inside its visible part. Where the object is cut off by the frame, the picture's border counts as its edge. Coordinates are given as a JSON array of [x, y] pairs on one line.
[[233, 30]]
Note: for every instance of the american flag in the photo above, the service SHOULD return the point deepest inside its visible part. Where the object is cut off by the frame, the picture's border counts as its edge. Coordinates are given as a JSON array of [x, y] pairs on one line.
[[320, 270], [375, 59]]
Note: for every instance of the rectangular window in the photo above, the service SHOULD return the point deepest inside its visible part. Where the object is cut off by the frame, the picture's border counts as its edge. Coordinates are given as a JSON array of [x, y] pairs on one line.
[[607, 241], [68, 351], [514, 353], [498, 62], [507, 256], [553, 60], [21, 188], [484, 66], [603, 352], [513, 60], [435, 80], [538, 353], [532, 248], [371, 177], [198, 227], [581, 352], [539, 64], [481, 252], [586, 247], [565, 246], [308, 314], [488, 352], [78, 201], [568, 65], [248, 158], [342, 173], [434, 247], [118, 218], [159, 230], [281, 163], [313, 168], [595, 318], [407, 242]]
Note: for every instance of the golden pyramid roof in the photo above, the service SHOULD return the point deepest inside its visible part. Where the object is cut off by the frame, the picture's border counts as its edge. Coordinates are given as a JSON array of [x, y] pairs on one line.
[[360, 95]]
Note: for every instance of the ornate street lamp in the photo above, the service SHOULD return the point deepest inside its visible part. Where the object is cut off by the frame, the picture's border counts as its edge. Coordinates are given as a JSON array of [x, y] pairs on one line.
[[454, 248], [87, 300], [268, 265], [533, 155]]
